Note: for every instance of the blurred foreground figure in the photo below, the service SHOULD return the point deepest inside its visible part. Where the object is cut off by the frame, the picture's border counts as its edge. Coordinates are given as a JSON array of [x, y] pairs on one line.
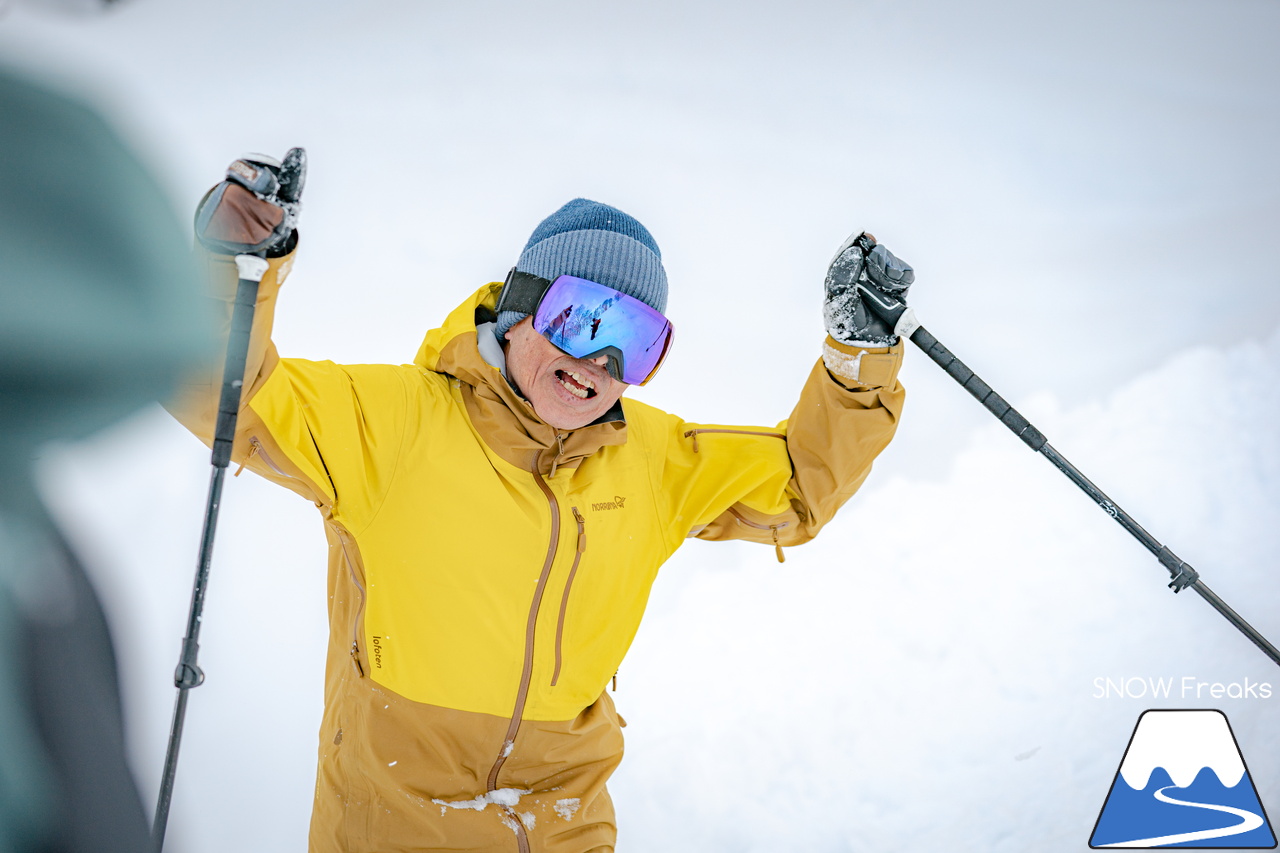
[[497, 511], [98, 315]]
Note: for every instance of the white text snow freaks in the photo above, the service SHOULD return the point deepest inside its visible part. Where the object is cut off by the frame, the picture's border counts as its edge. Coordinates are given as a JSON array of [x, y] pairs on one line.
[[1187, 687]]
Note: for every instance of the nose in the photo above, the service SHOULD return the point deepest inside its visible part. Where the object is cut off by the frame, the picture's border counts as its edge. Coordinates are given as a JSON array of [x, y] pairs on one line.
[[600, 360]]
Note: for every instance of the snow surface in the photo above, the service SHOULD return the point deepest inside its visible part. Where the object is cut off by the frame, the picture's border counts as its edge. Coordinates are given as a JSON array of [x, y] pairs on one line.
[[922, 676]]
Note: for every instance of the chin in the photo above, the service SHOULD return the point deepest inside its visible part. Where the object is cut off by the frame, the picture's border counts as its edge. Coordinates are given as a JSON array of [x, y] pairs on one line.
[[567, 416], [554, 406], [572, 420]]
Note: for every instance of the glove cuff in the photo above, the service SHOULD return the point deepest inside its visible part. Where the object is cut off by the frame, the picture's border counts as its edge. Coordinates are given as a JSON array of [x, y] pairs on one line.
[[860, 366]]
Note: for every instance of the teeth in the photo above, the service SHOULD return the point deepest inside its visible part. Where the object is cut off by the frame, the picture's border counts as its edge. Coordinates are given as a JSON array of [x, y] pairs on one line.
[[582, 380], [574, 390]]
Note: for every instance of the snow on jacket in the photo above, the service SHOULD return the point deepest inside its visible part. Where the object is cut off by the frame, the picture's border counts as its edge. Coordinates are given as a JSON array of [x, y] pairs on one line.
[[488, 573]]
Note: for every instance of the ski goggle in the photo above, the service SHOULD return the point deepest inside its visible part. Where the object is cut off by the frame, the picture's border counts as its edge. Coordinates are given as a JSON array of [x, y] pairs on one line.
[[586, 320]]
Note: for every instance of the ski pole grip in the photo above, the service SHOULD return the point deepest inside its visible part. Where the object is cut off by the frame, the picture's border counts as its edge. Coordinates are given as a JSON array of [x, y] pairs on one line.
[[251, 268], [905, 324], [981, 391]]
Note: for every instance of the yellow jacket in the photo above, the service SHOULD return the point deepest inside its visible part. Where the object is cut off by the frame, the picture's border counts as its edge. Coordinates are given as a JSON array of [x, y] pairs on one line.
[[487, 575]]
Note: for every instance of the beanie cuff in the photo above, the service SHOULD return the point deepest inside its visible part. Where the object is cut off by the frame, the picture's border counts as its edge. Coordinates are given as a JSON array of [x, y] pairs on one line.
[[506, 319]]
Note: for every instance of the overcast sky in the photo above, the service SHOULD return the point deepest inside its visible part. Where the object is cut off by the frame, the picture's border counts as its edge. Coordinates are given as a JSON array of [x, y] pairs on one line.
[[1088, 191]]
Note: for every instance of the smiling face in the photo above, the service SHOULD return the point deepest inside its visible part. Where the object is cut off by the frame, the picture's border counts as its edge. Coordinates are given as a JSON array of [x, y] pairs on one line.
[[566, 392]]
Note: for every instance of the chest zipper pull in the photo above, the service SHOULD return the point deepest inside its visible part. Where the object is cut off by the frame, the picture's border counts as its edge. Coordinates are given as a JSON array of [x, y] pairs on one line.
[[253, 451], [555, 463], [560, 441], [777, 545], [582, 530]]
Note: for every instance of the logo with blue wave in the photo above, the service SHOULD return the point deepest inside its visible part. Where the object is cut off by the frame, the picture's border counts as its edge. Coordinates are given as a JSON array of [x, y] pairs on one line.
[[1183, 783]]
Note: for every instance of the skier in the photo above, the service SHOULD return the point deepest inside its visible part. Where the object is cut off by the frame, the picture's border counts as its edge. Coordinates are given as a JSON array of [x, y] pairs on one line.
[[496, 513]]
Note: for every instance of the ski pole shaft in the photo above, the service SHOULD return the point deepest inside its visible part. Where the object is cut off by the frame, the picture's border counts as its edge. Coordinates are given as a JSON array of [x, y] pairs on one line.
[[188, 674], [1182, 575]]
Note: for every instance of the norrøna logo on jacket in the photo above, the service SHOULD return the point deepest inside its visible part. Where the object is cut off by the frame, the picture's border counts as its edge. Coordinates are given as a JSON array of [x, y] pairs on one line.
[[616, 503]]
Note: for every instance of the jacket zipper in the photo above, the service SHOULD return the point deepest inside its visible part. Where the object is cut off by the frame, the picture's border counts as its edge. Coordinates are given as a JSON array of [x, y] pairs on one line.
[[555, 463], [772, 528], [568, 584], [355, 626], [256, 449], [526, 674], [693, 433], [522, 837]]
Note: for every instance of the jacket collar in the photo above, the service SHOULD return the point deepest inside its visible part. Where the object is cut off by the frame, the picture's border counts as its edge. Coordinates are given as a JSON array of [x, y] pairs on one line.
[[504, 419]]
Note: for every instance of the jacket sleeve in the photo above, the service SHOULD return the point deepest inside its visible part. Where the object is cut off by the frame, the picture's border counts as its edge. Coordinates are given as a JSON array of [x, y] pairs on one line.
[[310, 426], [781, 485]]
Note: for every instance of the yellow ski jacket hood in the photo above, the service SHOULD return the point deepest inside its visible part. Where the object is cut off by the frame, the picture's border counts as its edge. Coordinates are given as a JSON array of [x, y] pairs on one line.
[[511, 425]]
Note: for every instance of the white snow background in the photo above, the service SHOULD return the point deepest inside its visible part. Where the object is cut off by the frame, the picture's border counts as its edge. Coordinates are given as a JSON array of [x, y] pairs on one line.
[[1089, 193]]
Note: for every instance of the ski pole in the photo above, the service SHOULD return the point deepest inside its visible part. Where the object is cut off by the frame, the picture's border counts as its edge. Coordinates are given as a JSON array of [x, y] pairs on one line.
[[188, 675], [903, 320]]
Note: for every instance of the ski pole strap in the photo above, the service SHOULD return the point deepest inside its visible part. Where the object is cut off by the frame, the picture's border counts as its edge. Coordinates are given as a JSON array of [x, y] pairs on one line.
[[982, 392], [251, 268]]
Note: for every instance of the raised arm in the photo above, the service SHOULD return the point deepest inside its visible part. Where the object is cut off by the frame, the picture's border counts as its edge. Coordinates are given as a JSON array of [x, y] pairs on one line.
[[781, 485], [253, 210]]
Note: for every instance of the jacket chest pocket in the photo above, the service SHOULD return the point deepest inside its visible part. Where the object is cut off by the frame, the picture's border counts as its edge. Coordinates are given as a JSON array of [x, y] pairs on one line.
[[568, 588]]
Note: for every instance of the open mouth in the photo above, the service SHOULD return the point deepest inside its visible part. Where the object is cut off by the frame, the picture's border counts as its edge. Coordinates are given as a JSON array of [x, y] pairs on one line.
[[576, 384]]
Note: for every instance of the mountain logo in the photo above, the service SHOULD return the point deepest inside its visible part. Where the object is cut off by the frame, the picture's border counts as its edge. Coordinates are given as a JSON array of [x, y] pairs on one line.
[[1183, 783]]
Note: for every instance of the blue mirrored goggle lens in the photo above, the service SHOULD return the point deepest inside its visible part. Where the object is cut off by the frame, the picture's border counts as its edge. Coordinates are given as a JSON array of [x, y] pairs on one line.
[[586, 319]]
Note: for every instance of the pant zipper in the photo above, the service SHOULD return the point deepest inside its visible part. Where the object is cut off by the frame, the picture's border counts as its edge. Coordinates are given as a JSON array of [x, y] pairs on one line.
[[568, 585]]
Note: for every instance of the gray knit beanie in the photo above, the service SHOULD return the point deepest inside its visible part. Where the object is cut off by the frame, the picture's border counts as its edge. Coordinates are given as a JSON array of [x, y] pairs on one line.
[[597, 242]]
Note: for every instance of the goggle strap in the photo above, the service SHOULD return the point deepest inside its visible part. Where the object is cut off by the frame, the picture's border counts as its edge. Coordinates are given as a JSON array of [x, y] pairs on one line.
[[522, 292]]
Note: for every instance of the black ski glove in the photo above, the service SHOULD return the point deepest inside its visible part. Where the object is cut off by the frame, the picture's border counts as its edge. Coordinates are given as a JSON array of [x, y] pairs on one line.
[[255, 209], [862, 271]]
